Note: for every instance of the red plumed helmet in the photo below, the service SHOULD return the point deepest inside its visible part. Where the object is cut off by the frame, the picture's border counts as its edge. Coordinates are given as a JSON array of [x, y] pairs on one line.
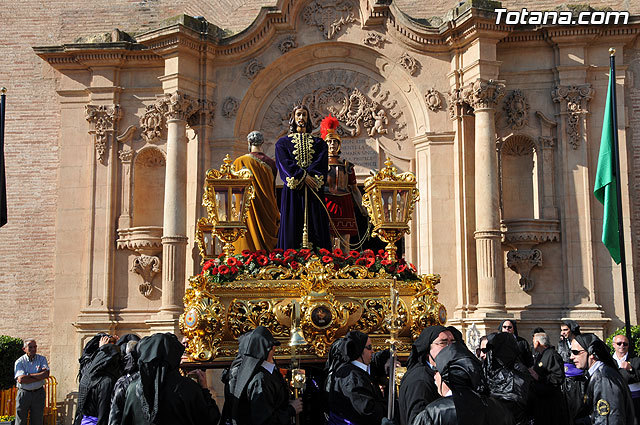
[[328, 127]]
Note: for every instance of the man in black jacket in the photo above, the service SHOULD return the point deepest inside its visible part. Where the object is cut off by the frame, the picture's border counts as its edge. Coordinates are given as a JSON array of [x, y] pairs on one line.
[[548, 377], [607, 394], [629, 368], [418, 387]]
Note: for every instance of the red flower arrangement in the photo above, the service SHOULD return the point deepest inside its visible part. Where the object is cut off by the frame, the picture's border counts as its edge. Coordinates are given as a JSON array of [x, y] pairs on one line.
[[249, 263]]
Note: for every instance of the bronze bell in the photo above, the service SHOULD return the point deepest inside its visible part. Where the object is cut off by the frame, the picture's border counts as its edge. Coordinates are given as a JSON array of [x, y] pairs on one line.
[[297, 337]]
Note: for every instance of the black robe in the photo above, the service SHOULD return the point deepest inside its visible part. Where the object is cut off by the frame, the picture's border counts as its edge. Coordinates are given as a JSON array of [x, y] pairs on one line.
[[355, 397], [181, 402], [550, 404], [574, 387], [266, 401], [609, 398], [417, 390], [443, 412]]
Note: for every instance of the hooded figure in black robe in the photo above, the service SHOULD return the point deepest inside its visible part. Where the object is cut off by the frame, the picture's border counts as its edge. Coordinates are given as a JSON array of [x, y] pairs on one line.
[[354, 397], [607, 394], [461, 371], [253, 394], [575, 383], [508, 379], [160, 395], [524, 350], [88, 352], [550, 403], [96, 385], [130, 355], [418, 388]]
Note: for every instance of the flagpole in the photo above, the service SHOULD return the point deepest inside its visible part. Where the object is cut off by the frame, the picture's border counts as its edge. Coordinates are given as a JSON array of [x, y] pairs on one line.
[[616, 154], [3, 182]]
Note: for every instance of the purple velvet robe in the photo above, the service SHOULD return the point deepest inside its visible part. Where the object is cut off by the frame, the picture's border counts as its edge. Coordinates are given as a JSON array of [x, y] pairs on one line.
[[292, 200]]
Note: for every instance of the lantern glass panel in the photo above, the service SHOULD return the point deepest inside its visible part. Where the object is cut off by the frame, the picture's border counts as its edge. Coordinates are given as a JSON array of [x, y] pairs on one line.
[[387, 205], [401, 205], [221, 202], [237, 197], [208, 243]]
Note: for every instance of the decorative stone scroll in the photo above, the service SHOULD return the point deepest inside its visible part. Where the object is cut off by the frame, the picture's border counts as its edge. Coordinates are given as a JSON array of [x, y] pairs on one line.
[[457, 104], [517, 109], [330, 16], [288, 43], [177, 106], [103, 119], [374, 39], [576, 98], [152, 124], [252, 69], [521, 262], [434, 100], [147, 266], [409, 63], [483, 94], [230, 107]]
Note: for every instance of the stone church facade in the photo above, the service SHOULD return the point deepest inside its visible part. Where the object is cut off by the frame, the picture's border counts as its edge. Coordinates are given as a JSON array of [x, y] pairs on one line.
[[109, 137]]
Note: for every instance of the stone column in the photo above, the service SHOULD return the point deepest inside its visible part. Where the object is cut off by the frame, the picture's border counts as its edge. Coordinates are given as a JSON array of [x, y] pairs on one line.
[[177, 108], [483, 96]]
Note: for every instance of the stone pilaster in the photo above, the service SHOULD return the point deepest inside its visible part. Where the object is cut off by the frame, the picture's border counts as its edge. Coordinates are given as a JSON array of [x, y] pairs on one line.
[[483, 96], [102, 119]]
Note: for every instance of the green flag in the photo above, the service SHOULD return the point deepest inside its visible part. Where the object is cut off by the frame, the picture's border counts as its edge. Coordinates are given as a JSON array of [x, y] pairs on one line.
[[605, 185]]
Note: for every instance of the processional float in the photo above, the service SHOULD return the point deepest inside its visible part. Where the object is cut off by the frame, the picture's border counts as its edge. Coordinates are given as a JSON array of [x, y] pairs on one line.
[[306, 298]]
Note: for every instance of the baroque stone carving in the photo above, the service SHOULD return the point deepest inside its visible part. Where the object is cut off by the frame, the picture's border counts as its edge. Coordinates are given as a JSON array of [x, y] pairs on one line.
[[434, 100], [409, 63], [287, 44], [521, 262], [205, 115], [125, 155], [230, 107], [517, 109], [374, 39], [577, 98], [517, 145], [329, 16], [152, 124], [252, 69], [150, 157], [103, 119], [457, 104], [177, 106], [547, 142], [483, 94], [473, 337], [147, 266]]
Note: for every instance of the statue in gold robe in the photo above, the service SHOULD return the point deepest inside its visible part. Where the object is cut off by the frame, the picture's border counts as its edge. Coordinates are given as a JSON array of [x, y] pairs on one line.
[[263, 218]]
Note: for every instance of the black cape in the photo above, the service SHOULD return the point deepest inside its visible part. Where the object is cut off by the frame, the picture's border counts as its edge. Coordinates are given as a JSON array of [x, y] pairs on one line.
[[160, 395], [355, 396], [418, 388], [97, 382], [524, 350], [609, 398], [550, 404]]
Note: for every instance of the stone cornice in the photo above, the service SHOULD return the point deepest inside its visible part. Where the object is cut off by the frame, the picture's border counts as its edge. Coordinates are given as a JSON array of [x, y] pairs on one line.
[[85, 56]]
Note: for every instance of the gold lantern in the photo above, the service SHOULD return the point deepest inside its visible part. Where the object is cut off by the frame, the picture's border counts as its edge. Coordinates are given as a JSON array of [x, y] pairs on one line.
[[390, 198], [227, 197]]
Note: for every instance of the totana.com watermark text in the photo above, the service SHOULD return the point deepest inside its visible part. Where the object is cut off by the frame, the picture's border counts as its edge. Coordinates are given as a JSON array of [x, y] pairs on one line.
[[535, 17]]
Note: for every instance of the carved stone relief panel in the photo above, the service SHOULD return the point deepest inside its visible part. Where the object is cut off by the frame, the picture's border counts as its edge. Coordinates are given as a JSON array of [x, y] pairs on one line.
[[522, 261], [103, 119], [230, 107], [576, 99], [152, 124], [409, 63], [147, 266], [288, 43], [252, 69], [330, 16], [434, 100], [517, 109], [368, 112], [374, 39]]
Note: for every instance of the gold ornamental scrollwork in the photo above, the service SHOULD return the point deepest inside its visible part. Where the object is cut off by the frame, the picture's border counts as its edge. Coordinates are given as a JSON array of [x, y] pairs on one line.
[[374, 311], [246, 315], [203, 320], [425, 308]]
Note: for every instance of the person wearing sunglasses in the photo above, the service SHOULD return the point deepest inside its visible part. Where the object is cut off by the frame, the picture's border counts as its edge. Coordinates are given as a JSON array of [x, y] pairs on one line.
[[354, 396], [607, 395], [575, 383], [629, 368], [418, 387]]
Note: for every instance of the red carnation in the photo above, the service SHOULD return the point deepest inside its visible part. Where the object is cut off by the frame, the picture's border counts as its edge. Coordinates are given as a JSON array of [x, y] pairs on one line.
[[304, 251], [324, 252], [368, 253], [361, 261], [289, 252], [246, 253], [370, 261], [327, 259], [262, 260], [214, 270], [288, 259], [223, 269], [386, 262], [401, 268], [277, 251], [234, 269], [261, 252], [338, 252], [381, 252], [294, 265], [273, 256], [231, 261], [354, 254]]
